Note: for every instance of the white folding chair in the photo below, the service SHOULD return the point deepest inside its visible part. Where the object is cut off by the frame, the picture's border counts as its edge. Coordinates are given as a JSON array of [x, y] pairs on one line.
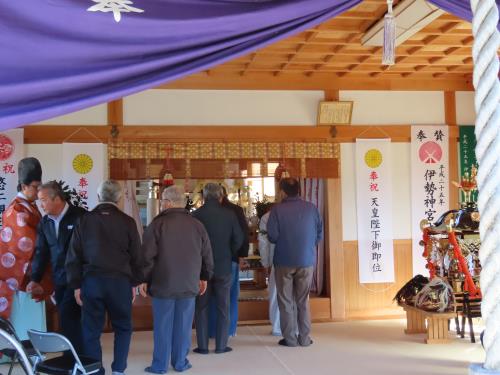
[[9, 342], [69, 362]]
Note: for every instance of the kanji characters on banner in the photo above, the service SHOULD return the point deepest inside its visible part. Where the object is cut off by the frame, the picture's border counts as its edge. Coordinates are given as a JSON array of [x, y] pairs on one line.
[[429, 183], [374, 210], [84, 168], [467, 155], [11, 151]]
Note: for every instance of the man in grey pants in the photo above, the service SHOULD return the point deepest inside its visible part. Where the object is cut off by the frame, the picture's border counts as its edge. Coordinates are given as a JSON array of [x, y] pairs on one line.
[[296, 228], [226, 238]]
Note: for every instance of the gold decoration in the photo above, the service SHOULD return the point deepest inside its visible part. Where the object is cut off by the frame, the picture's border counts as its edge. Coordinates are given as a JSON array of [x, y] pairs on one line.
[[82, 163], [222, 151], [373, 158], [468, 184]]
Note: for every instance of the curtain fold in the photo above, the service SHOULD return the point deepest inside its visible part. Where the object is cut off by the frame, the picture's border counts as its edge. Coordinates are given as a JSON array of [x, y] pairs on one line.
[[59, 57], [459, 8], [313, 190]]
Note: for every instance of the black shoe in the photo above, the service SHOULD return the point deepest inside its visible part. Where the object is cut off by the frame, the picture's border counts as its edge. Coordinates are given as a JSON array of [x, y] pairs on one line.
[[308, 344], [227, 349], [284, 343], [200, 351]]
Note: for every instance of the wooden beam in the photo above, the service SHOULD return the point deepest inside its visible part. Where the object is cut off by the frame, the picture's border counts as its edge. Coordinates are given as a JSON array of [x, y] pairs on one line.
[[41, 134], [332, 95], [115, 112], [318, 81], [450, 108]]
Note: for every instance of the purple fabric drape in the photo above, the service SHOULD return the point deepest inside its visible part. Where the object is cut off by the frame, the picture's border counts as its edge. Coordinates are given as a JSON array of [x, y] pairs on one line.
[[459, 8], [313, 190], [57, 57]]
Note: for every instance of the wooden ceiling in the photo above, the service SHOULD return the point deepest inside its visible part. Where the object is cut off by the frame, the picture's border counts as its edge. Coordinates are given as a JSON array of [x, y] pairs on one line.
[[442, 49], [333, 50]]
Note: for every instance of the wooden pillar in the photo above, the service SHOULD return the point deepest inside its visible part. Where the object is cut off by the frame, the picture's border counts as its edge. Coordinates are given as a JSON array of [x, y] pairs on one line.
[[335, 254], [450, 113], [332, 95], [115, 113]]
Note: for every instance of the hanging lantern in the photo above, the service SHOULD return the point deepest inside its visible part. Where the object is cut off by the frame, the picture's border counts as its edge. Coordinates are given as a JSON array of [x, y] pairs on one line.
[[168, 179], [389, 49]]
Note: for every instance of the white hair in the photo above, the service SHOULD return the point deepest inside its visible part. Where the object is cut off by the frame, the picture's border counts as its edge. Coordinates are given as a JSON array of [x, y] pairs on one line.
[[175, 195], [109, 191]]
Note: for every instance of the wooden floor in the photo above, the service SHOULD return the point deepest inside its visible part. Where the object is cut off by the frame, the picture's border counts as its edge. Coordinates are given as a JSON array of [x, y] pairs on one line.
[[350, 348]]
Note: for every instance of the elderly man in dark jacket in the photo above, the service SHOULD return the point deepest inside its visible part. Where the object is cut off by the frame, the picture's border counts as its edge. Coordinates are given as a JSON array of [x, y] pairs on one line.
[[54, 237], [226, 237], [177, 265], [104, 262]]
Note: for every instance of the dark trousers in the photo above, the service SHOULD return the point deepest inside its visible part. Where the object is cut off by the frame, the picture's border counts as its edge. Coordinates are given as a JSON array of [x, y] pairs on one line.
[[234, 295], [173, 322], [70, 316], [101, 295], [218, 287]]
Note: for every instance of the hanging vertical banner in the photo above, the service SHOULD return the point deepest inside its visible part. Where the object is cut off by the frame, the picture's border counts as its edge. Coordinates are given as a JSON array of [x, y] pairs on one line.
[[429, 183], [467, 155], [11, 151], [84, 168], [374, 211]]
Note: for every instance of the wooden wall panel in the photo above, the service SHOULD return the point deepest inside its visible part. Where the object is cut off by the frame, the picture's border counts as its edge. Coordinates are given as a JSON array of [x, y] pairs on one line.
[[374, 300], [335, 253]]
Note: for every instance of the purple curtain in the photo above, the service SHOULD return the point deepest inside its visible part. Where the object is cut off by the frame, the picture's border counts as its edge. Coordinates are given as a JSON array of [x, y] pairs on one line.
[[57, 57], [459, 8], [313, 190]]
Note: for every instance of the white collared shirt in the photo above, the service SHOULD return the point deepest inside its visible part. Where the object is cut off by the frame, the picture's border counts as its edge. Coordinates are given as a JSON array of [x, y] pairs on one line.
[[57, 219]]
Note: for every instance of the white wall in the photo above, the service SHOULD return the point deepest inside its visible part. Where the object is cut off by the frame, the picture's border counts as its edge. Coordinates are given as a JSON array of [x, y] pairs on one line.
[[267, 107], [50, 159], [466, 114], [97, 115], [396, 107], [221, 107], [401, 190]]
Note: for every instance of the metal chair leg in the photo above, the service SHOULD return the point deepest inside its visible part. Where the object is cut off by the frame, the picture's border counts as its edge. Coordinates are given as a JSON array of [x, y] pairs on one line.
[[472, 337], [462, 332]]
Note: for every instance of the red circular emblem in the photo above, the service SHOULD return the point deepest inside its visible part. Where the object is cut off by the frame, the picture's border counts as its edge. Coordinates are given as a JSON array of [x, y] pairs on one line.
[[6, 147], [430, 152]]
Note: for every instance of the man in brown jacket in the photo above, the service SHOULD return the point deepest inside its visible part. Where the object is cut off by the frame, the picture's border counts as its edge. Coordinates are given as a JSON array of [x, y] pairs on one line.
[[178, 263]]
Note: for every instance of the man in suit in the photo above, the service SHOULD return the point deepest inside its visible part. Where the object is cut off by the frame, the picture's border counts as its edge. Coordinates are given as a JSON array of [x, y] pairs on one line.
[[104, 266], [226, 238], [54, 236]]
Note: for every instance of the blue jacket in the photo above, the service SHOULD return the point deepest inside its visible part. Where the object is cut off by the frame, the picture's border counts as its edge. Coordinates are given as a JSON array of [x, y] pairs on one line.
[[296, 228]]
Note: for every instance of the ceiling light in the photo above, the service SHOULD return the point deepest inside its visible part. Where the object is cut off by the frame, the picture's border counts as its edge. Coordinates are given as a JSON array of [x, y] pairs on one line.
[[411, 17]]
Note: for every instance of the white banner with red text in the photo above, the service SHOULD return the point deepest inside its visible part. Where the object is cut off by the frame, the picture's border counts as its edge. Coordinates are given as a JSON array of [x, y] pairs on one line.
[[11, 151], [84, 168], [374, 210], [429, 183]]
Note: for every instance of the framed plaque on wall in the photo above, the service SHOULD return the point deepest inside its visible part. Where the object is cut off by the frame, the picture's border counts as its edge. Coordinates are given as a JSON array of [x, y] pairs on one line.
[[334, 113]]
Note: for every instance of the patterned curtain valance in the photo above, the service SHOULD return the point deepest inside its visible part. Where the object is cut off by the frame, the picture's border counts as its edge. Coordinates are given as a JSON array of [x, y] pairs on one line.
[[134, 161], [238, 150]]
